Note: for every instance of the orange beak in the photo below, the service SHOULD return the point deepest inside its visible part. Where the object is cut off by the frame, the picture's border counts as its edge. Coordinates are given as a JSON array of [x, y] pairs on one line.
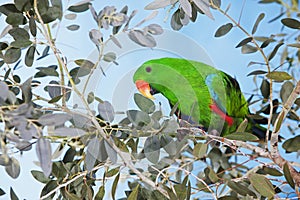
[[144, 88]]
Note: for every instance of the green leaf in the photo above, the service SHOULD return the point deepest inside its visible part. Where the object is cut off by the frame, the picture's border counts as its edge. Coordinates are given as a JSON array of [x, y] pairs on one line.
[[109, 57], [145, 104], [151, 148], [138, 118], [291, 23], [19, 33], [247, 48], [292, 144], [12, 55], [288, 176], [168, 144], [32, 26], [101, 192], [200, 150], [257, 72], [80, 6], [112, 172], [106, 111], [15, 19], [212, 175], [242, 136], [43, 151], [223, 30], [272, 171], [13, 195], [114, 186], [73, 27], [286, 90], [240, 188], [29, 57], [258, 20], [262, 185], [90, 97], [40, 176], [297, 45], [265, 88], [279, 76], [20, 44], [26, 90], [134, 194], [244, 41], [13, 168], [273, 53]]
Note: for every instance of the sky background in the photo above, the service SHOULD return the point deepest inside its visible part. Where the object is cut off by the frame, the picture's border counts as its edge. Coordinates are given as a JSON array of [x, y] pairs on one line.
[[117, 85]]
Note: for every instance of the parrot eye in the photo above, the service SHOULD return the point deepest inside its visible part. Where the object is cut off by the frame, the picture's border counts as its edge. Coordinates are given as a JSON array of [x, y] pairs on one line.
[[148, 69]]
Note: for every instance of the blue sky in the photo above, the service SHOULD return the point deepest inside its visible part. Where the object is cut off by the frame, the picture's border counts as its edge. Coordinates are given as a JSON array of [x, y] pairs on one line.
[[116, 84]]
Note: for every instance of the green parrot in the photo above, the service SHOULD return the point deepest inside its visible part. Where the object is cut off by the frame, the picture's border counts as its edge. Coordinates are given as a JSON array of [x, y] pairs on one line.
[[204, 95]]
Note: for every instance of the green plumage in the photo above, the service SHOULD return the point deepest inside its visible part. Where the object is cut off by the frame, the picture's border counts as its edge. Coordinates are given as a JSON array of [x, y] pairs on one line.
[[196, 86]]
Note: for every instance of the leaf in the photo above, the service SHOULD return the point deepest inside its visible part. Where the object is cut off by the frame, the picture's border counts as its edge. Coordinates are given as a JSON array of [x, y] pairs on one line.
[[101, 192], [112, 172], [204, 6], [145, 104], [134, 193], [54, 91], [114, 186], [168, 144], [40, 176], [155, 29], [46, 71], [15, 19], [13, 195], [138, 118], [32, 26], [112, 154], [212, 175], [291, 23], [286, 90], [257, 72], [240, 188], [176, 21], [273, 53], [200, 150], [292, 144], [29, 57], [262, 185], [145, 40], [110, 57], [186, 7], [272, 171], [244, 41], [73, 27], [3, 91], [12, 55], [56, 119], [242, 136], [265, 89], [13, 168], [246, 49], [43, 151], [288, 176], [159, 4], [223, 30], [151, 148], [80, 6], [19, 33], [68, 132], [106, 111], [279, 76], [258, 20], [26, 90]]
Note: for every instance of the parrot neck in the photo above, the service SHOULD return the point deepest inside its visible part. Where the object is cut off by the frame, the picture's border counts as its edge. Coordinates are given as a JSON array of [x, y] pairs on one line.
[[223, 115]]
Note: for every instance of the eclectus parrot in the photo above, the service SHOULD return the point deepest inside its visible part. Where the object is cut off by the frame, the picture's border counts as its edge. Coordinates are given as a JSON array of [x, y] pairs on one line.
[[209, 97]]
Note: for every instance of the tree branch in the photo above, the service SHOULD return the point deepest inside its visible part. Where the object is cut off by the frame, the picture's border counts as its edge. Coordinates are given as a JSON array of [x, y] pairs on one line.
[[274, 152]]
